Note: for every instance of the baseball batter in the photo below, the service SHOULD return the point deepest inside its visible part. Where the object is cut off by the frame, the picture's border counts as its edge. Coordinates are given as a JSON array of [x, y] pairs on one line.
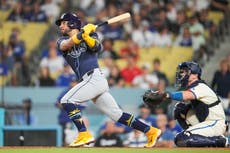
[[200, 111], [79, 47]]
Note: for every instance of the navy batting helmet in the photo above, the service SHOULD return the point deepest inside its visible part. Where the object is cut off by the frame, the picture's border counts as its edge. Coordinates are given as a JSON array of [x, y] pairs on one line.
[[74, 21], [190, 68]]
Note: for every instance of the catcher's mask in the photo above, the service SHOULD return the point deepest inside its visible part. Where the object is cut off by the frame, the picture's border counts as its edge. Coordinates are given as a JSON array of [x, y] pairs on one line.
[[74, 21], [184, 70]]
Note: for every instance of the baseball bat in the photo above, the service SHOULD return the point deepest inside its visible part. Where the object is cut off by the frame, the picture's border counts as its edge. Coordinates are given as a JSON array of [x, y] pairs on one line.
[[119, 18]]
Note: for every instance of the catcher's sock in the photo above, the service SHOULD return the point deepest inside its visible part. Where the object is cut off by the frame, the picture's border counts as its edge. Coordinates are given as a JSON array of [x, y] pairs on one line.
[[75, 115], [130, 120]]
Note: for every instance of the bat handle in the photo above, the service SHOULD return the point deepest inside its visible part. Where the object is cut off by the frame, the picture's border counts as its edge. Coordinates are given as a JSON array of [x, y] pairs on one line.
[[102, 23], [98, 25]]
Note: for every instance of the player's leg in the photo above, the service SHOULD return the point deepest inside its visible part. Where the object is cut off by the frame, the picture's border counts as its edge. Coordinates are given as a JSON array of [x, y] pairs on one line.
[[74, 114], [89, 88], [106, 103], [204, 134]]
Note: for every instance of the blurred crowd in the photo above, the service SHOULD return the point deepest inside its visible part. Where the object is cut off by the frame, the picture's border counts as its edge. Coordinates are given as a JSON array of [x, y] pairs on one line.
[[161, 23], [164, 23]]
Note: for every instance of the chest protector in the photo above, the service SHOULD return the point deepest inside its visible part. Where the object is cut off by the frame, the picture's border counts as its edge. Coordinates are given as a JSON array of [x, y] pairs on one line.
[[201, 109]]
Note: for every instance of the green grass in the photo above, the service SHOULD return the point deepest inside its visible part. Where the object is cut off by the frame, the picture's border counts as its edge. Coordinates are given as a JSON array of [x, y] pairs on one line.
[[110, 150]]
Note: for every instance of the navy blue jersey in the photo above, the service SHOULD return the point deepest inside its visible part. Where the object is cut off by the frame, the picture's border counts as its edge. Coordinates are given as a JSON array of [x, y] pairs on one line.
[[80, 57]]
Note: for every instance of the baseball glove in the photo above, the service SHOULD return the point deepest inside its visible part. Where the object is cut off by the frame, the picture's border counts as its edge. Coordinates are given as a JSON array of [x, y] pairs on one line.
[[153, 98]]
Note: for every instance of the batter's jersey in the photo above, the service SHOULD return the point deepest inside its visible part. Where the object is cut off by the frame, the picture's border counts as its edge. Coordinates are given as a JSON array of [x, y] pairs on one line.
[[205, 94], [80, 57]]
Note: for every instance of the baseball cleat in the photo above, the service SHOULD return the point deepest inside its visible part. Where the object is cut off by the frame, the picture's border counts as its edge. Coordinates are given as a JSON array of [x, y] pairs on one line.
[[153, 134], [84, 138]]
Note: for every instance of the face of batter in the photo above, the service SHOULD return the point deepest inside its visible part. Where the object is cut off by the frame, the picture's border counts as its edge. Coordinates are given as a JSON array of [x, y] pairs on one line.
[[65, 30]]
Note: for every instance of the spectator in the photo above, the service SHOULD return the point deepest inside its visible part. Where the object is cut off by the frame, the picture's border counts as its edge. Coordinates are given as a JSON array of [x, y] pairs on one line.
[[16, 14], [26, 117], [93, 6], [167, 138], [162, 38], [206, 22], [107, 65], [130, 47], [180, 22], [197, 31], [157, 71], [108, 49], [197, 5], [221, 80], [45, 79], [131, 70], [4, 5], [146, 80], [51, 45], [113, 31], [21, 75], [174, 127], [115, 79], [27, 12], [185, 39], [109, 138], [145, 115], [18, 46], [38, 15], [3, 70], [171, 12], [66, 76], [135, 139], [51, 9], [54, 62], [7, 57], [160, 19], [217, 5], [142, 36]]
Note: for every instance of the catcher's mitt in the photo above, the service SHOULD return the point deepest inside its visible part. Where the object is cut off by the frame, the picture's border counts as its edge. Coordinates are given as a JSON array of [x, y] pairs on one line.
[[153, 98]]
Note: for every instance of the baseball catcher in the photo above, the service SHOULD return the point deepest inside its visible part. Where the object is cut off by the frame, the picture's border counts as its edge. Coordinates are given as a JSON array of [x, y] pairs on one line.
[[199, 110]]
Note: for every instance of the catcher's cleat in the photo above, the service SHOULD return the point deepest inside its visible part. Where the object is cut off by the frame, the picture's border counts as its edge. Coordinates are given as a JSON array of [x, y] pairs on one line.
[[84, 138], [153, 134]]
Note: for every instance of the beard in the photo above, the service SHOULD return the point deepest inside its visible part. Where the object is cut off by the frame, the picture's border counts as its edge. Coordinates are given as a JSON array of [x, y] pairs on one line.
[[66, 32]]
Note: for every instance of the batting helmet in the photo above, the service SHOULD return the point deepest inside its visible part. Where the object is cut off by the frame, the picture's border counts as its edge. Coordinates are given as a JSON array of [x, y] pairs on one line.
[[74, 21], [190, 68]]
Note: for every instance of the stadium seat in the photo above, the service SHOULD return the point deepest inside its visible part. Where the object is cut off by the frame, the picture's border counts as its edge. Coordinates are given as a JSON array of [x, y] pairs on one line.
[[121, 63], [215, 16], [30, 33], [118, 44]]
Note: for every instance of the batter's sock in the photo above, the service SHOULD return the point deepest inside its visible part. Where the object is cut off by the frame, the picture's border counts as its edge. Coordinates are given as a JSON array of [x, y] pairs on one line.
[[75, 115], [130, 120]]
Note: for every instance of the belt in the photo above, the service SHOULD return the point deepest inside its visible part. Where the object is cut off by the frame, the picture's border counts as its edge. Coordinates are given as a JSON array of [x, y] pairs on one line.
[[88, 74]]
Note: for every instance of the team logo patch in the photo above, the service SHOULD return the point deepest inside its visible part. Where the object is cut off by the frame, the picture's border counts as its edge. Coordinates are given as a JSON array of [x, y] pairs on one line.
[[76, 51]]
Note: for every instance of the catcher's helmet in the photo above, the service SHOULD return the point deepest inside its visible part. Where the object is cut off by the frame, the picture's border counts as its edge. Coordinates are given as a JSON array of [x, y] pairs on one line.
[[74, 21], [189, 68]]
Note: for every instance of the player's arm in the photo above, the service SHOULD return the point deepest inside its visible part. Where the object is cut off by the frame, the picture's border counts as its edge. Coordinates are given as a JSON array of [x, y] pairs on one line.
[[181, 95], [66, 44]]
